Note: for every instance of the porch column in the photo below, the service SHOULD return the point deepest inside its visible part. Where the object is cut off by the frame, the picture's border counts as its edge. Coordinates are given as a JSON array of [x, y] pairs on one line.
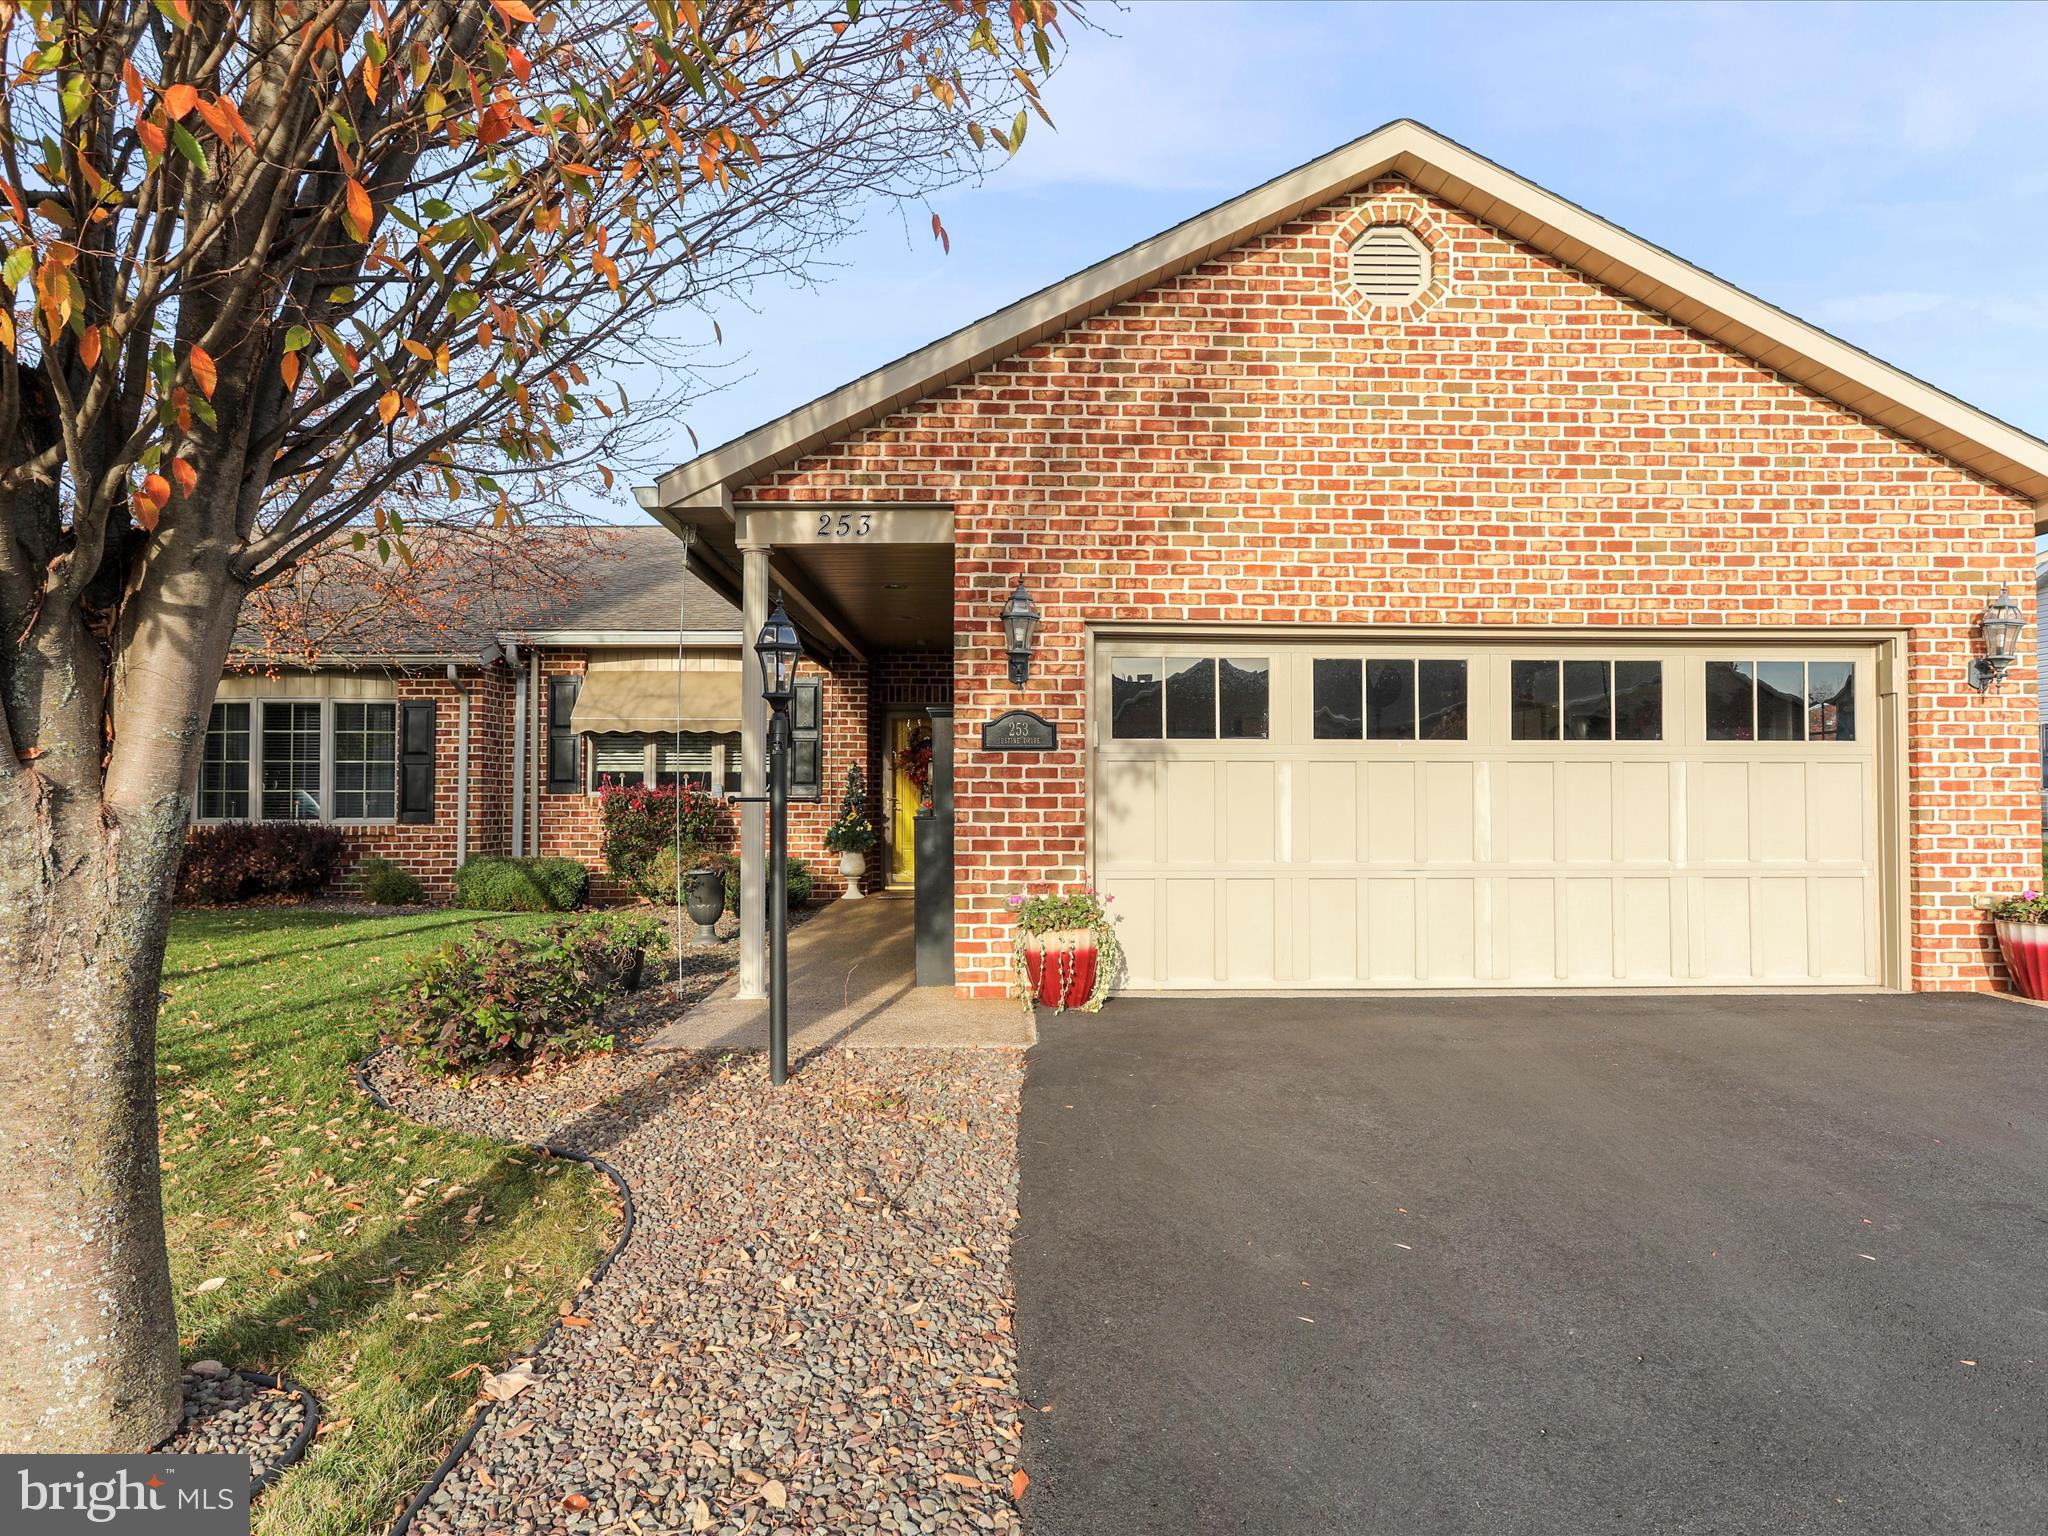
[[753, 776]]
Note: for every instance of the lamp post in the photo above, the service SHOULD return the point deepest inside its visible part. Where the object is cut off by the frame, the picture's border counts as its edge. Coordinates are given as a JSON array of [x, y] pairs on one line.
[[780, 651]]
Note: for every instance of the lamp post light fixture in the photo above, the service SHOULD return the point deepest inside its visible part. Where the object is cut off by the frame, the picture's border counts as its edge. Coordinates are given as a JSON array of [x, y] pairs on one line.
[[2000, 623], [779, 651], [1020, 626]]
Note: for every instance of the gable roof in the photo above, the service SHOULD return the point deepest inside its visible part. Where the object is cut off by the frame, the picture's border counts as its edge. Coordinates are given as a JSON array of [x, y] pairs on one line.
[[1602, 251]]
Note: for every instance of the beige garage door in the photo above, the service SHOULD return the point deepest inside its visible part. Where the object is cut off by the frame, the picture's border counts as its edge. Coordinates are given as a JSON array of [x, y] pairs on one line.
[[1311, 815]]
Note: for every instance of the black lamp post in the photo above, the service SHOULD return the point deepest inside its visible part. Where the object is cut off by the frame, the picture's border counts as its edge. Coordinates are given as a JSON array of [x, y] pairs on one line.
[[1020, 625], [780, 651]]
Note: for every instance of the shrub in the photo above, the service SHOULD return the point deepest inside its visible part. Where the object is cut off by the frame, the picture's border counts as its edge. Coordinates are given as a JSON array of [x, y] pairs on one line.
[[852, 832], [389, 885], [796, 876], [237, 860], [521, 885], [492, 1004], [639, 822]]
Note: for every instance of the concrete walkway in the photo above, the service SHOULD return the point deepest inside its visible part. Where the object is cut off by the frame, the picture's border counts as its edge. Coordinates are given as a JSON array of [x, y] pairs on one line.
[[851, 985]]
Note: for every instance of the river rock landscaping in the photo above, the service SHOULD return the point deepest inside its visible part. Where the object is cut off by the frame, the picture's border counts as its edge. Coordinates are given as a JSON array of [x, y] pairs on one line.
[[227, 1412], [810, 1329]]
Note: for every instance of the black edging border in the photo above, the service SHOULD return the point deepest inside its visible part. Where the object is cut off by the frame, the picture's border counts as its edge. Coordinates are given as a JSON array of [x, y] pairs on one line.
[[368, 1089], [293, 1452]]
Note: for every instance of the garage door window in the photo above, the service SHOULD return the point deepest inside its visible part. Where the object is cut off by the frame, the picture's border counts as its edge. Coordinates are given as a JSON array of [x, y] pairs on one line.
[[1781, 701], [1387, 699], [1189, 698], [1586, 700]]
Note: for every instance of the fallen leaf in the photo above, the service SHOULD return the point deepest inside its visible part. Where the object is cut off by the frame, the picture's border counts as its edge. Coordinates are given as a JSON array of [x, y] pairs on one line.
[[776, 1495], [577, 1502], [700, 1448], [1019, 1481], [506, 1385], [575, 1322], [700, 1516], [204, 1286]]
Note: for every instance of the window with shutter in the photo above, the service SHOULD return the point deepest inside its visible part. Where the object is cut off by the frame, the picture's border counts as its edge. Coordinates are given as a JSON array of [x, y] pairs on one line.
[[365, 761], [565, 769], [415, 761], [617, 760], [687, 763]]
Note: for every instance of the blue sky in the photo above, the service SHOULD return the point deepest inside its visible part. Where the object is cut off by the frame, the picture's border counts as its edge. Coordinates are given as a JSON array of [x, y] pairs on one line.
[[1876, 170]]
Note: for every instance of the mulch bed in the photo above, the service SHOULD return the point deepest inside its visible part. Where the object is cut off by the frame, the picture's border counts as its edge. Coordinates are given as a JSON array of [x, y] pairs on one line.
[[810, 1327], [227, 1412]]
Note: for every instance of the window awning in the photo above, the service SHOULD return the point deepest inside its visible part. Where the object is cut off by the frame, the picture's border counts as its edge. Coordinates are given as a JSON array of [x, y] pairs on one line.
[[642, 699]]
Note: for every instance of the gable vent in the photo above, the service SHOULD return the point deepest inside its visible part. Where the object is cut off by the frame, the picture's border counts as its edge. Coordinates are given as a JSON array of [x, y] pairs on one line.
[[1390, 265]]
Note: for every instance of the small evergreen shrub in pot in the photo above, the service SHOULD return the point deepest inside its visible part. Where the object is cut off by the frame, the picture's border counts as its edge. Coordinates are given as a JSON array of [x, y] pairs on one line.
[[493, 1004], [851, 835], [241, 860], [387, 884], [521, 885]]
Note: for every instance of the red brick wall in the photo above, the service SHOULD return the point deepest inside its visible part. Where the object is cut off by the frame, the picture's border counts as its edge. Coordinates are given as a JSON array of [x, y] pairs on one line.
[[1239, 445]]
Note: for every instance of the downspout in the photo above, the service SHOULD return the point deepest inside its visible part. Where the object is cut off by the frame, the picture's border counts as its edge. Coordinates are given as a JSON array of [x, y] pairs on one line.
[[461, 769], [531, 764], [518, 755]]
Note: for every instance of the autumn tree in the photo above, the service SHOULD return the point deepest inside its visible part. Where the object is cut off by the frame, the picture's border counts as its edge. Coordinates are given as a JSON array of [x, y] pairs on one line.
[[275, 267]]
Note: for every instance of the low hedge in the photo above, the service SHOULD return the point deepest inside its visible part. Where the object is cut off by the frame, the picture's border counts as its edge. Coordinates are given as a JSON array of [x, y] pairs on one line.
[[796, 872], [387, 884], [238, 860], [521, 885]]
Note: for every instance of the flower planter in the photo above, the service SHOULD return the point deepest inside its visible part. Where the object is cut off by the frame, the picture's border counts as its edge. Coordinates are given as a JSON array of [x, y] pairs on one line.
[[1060, 966], [2025, 947], [704, 898], [852, 864]]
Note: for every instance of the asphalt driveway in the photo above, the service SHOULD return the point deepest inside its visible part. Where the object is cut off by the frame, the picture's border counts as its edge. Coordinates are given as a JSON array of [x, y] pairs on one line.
[[1546, 1265]]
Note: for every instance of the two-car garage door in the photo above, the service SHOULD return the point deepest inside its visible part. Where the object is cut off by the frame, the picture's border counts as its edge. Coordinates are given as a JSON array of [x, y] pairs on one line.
[[1307, 814]]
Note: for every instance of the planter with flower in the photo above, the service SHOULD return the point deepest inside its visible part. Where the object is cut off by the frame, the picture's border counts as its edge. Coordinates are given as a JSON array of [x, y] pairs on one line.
[[851, 834], [1067, 950], [2022, 925]]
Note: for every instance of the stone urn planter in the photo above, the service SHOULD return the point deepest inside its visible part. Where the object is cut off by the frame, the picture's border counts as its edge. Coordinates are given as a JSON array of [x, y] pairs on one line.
[[852, 864], [1060, 966], [704, 900], [2025, 947]]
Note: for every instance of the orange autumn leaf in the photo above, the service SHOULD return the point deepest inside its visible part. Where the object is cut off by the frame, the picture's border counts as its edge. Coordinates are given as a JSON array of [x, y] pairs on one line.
[[145, 511], [204, 374], [152, 137], [1019, 1481], [131, 77], [387, 405], [288, 365], [89, 347], [495, 123], [233, 114], [216, 118], [180, 99], [360, 208], [513, 10], [156, 488], [186, 476]]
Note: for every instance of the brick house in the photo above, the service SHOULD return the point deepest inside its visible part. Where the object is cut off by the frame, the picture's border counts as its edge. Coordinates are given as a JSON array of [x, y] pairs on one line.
[[1441, 587], [481, 734]]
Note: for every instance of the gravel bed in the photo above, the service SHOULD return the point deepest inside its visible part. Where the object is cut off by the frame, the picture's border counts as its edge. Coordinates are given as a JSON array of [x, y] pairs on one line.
[[810, 1329], [227, 1412]]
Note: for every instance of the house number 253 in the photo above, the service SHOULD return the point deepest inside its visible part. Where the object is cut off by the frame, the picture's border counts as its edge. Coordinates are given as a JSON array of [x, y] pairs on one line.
[[845, 525]]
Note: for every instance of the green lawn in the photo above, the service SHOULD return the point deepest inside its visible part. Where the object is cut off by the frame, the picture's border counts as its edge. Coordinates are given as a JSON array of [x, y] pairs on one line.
[[368, 1257]]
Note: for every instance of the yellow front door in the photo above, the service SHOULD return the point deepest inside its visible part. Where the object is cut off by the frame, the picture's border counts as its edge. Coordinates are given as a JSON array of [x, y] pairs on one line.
[[909, 754]]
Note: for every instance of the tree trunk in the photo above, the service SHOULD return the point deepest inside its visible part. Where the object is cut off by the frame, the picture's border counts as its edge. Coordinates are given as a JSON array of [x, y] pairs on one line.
[[88, 857], [91, 1358]]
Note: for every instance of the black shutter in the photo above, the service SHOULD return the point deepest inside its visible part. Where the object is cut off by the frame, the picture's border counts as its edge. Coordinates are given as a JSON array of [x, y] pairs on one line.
[[807, 741], [416, 761], [564, 777]]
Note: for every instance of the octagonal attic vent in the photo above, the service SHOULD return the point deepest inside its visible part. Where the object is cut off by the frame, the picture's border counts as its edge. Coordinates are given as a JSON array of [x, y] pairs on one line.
[[1390, 265]]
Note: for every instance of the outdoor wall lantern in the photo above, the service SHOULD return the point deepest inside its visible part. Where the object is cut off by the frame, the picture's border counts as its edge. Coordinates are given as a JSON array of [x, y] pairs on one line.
[[2001, 623], [780, 651], [1020, 628]]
